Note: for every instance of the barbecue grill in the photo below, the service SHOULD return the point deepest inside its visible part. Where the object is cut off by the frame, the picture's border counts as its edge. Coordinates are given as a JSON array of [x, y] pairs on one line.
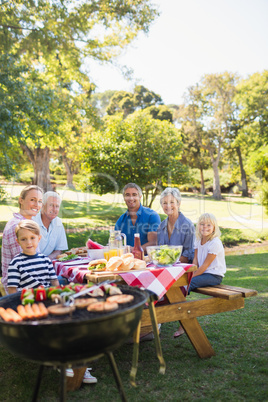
[[72, 339]]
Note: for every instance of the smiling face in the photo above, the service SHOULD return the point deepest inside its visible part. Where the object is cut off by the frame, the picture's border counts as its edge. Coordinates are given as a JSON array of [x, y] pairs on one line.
[[28, 241], [31, 204], [170, 205], [132, 199], [206, 228], [51, 208]]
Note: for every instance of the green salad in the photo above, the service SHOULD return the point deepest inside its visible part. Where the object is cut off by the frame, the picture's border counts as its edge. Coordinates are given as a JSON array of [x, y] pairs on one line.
[[165, 255], [68, 257]]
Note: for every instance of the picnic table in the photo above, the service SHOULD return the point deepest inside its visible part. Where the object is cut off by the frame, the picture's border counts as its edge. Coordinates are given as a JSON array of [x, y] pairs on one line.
[[168, 283], [176, 307]]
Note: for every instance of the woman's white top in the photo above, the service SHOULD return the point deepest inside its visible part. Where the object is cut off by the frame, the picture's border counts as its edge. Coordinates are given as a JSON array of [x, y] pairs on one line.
[[214, 246]]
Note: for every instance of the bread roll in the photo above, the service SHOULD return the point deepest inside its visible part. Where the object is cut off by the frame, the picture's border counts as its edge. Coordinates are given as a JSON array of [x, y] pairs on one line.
[[114, 263], [127, 255], [139, 264], [128, 264]]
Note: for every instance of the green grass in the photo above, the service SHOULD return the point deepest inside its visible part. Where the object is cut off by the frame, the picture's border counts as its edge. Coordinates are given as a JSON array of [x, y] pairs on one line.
[[238, 372]]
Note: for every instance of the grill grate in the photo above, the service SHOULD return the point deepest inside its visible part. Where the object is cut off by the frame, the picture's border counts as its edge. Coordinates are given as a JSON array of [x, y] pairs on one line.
[[77, 315]]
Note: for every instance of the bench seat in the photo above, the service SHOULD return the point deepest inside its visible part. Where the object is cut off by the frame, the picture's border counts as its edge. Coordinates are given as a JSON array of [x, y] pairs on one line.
[[226, 292]]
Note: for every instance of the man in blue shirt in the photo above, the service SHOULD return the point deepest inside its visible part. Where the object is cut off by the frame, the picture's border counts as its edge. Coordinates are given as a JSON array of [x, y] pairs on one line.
[[138, 219]]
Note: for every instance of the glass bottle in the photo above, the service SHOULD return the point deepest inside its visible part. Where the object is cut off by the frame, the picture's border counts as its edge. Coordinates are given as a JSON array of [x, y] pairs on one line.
[[137, 249]]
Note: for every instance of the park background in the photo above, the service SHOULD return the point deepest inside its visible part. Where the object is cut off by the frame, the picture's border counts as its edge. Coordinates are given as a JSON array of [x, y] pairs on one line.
[[67, 124]]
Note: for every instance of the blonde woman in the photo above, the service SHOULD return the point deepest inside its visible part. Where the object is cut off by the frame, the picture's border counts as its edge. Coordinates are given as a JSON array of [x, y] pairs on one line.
[[208, 257], [30, 202]]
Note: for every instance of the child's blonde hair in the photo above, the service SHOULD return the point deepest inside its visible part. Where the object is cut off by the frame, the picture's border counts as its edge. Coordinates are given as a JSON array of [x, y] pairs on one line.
[[29, 225], [208, 218]]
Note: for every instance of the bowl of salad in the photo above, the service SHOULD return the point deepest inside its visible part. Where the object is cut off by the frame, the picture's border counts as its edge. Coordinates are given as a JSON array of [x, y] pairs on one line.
[[164, 255]]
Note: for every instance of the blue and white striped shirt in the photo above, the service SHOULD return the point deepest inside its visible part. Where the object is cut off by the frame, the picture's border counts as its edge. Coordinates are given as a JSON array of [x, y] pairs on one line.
[[30, 271]]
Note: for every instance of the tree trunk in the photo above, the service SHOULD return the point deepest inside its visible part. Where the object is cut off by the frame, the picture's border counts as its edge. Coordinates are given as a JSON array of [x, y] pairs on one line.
[[39, 158], [203, 189], [243, 173], [216, 181], [69, 172]]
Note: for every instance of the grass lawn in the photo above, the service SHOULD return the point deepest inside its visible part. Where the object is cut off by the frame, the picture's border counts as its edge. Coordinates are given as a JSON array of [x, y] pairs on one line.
[[238, 372]]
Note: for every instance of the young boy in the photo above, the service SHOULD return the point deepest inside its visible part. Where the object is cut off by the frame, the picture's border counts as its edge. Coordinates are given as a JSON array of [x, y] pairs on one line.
[[29, 269]]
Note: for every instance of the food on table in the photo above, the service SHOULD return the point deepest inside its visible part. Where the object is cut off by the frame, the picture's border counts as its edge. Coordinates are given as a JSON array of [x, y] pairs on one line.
[[127, 255], [93, 245], [67, 257], [97, 265], [60, 256], [120, 299], [59, 309], [139, 264], [72, 254], [164, 255], [115, 264], [128, 263], [102, 307]]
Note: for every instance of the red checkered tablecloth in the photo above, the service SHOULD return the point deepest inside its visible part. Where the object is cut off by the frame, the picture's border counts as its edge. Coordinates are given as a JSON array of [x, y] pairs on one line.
[[158, 280], [74, 270]]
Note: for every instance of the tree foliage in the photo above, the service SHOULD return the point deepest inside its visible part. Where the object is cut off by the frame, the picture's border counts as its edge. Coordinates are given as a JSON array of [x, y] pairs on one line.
[[140, 99], [136, 149], [49, 44]]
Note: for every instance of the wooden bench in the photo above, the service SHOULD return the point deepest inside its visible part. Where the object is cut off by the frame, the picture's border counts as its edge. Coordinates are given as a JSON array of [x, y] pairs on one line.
[[221, 298], [226, 292]]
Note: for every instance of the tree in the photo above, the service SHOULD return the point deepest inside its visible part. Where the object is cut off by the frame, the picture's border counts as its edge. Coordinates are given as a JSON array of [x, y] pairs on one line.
[[189, 117], [144, 98], [54, 40], [218, 91], [141, 98], [121, 102], [136, 149], [249, 131], [161, 112]]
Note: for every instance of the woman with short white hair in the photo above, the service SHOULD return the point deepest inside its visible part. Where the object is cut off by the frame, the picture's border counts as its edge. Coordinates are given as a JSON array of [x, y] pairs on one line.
[[176, 229]]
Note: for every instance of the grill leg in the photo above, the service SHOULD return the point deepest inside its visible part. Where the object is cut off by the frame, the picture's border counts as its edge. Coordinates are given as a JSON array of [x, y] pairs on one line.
[[63, 383], [117, 376], [38, 382]]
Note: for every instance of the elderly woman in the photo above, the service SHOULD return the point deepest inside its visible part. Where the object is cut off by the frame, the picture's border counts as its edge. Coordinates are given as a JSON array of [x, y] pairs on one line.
[[176, 229]]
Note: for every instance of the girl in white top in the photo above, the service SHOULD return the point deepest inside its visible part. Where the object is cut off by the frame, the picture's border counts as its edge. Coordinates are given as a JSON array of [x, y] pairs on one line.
[[208, 256], [209, 253]]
